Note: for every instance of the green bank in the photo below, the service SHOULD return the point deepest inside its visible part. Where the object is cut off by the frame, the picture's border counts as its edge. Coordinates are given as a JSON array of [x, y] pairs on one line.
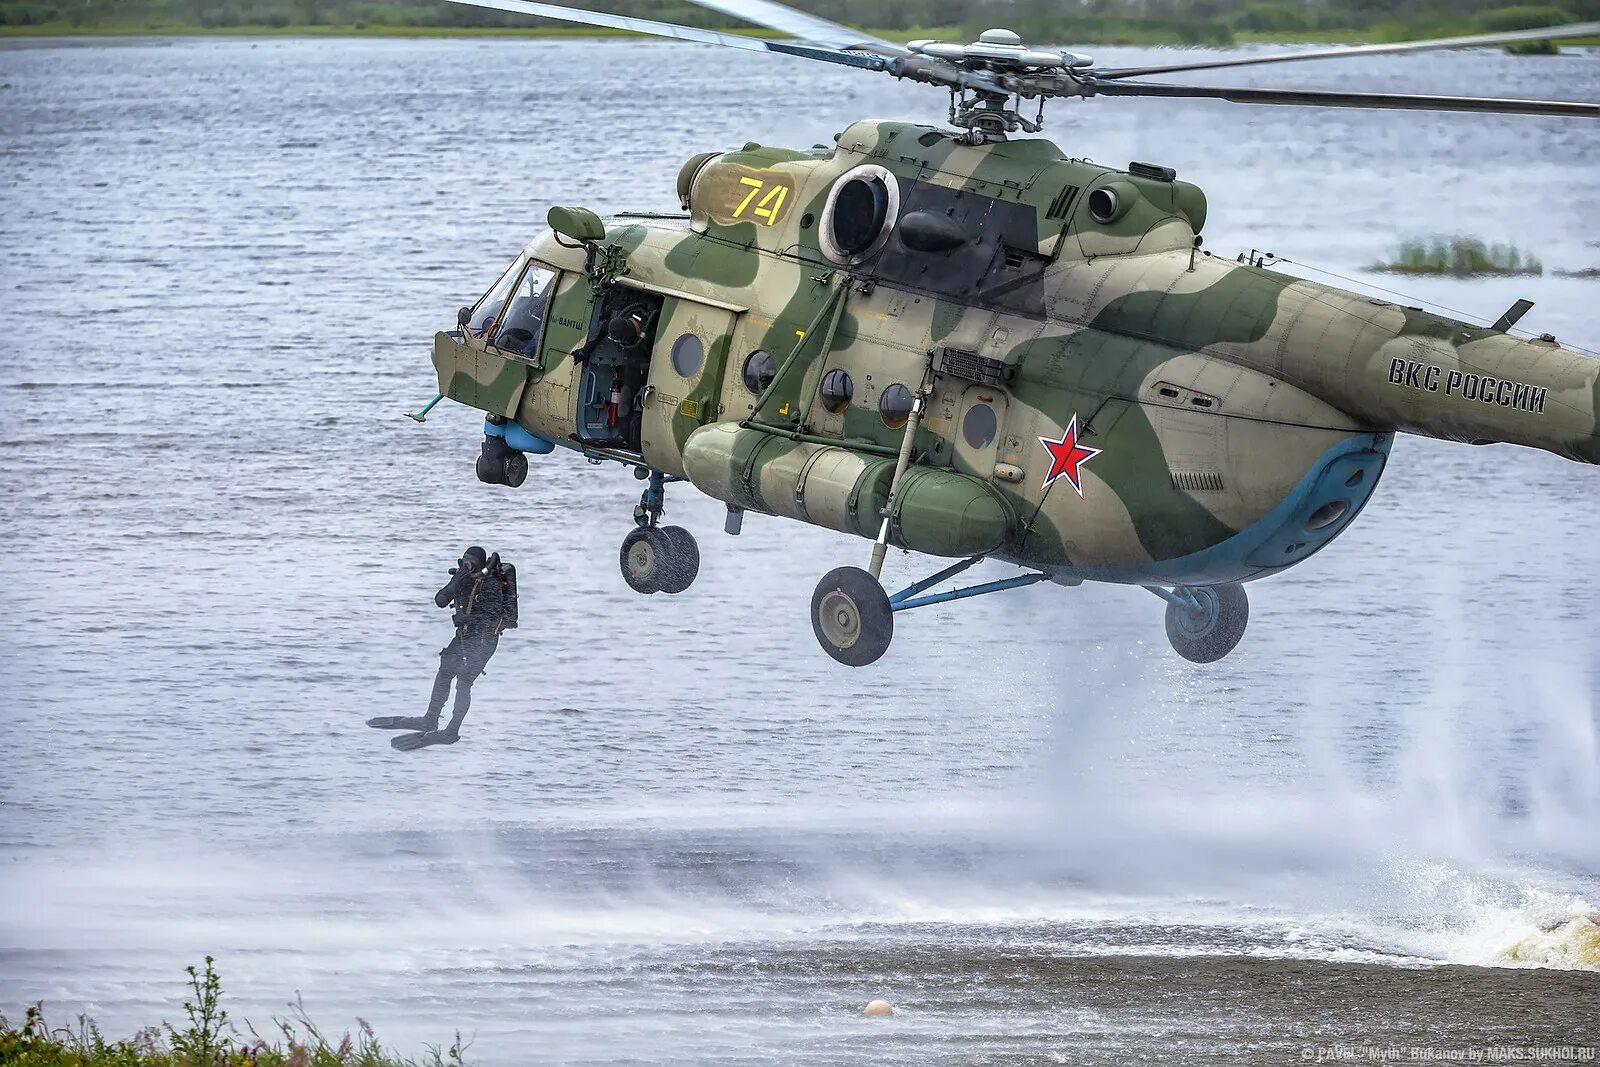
[[1155, 22]]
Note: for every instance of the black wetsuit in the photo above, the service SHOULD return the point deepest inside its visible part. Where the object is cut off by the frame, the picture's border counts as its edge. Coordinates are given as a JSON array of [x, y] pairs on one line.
[[479, 602]]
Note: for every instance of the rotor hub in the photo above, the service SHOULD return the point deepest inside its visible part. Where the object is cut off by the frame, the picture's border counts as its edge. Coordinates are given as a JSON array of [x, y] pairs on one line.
[[1001, 51], [985, 76]]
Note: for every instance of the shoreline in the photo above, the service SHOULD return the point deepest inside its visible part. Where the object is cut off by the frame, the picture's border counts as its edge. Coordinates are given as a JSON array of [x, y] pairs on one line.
[[359, 30]]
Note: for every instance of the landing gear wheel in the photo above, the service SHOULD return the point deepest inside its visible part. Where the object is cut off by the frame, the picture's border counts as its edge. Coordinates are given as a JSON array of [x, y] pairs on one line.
[[851, 617], [514, 469], [683, 560], [1206, 634], [488, 469], [646, 553]]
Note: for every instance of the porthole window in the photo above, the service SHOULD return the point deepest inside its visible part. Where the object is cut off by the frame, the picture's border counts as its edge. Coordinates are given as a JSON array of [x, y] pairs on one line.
[[759, 370], [979, 425], [894, 406], [837, 389], [687, 355]]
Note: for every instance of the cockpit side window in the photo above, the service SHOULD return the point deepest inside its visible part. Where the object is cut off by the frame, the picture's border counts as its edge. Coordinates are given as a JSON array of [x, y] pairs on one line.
[[487, 310], [523, 317]]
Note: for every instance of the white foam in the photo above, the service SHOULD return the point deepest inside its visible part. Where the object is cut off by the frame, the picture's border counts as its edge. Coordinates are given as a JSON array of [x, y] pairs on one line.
[[1550, 930]]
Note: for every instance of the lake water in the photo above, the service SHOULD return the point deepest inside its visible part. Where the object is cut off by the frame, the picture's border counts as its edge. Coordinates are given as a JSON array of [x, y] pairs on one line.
[[675, 830]]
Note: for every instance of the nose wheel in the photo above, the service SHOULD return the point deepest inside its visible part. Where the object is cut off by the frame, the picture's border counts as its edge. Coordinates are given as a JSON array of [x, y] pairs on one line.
[[658, 559]]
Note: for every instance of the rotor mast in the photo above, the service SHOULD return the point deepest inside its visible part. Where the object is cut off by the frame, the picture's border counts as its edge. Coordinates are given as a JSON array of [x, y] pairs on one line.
[[1008, 69]]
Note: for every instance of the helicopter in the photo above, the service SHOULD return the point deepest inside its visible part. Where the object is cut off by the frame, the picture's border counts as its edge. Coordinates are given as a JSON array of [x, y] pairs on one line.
[[960, 342]]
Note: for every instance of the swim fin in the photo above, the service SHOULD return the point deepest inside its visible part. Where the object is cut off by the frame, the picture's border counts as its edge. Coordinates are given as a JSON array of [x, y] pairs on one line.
[[412, 742], [403, 722]]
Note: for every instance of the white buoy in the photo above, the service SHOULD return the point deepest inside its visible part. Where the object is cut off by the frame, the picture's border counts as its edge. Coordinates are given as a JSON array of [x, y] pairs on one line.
[[878, 1009]]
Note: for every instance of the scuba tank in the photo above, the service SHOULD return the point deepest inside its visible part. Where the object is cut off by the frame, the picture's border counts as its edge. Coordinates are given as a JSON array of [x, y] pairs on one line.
[[507, 576]]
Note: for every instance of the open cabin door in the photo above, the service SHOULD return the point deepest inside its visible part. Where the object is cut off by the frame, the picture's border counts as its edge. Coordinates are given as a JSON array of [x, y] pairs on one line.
[[687, 366], [611, 368]]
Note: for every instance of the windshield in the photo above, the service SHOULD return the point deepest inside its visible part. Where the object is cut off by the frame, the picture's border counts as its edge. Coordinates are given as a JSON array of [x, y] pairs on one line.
[[488, 308], [518, 330]]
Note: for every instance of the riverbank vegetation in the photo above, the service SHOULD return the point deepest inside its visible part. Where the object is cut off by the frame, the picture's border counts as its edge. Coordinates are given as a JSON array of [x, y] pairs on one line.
[[1460, 257], [1193, 22], [208, 1040]]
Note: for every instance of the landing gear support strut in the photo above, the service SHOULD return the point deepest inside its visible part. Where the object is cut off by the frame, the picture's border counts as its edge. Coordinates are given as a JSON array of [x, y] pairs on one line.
[[880, 547], [656, 558], [1205, 622], [907, 598], [653, 501], [853, 617]]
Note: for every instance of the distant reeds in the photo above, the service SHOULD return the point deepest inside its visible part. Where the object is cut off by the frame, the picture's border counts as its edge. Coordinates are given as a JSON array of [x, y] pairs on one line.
[[1462, 257]]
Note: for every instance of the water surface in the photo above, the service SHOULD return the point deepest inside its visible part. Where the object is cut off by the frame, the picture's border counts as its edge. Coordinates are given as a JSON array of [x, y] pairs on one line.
[[675, 830]]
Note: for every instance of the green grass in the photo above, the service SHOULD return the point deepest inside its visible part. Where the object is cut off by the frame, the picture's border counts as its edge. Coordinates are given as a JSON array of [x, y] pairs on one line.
[[1534, 48], [209, 1040], [1460, 257], [1044, 22], [1131, 34], [168, 28]]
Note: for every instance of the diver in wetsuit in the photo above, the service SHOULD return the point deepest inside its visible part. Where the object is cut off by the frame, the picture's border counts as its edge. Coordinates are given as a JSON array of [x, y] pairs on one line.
[[483, 592]]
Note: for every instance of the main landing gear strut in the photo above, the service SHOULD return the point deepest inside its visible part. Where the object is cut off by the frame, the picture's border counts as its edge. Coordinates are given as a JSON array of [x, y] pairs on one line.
[[853, 617], [656, 558]]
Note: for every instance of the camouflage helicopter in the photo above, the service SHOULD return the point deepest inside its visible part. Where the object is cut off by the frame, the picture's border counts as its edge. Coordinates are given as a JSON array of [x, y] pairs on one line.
[[965, 344]]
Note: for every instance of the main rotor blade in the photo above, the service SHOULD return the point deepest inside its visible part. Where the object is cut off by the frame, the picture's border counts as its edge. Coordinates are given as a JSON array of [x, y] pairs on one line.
[[1550, 33], [804, 25], [805, 49], [1322, 98]]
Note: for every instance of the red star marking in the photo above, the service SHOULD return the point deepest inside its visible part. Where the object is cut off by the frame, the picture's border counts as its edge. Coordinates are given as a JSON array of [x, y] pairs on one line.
[[1067, 456]]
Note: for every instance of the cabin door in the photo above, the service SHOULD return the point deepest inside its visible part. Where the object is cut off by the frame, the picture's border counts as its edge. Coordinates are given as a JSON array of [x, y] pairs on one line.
[[687, 366]]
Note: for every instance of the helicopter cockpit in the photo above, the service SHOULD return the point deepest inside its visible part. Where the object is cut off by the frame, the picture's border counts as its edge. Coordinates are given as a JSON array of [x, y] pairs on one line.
[[510, 315]]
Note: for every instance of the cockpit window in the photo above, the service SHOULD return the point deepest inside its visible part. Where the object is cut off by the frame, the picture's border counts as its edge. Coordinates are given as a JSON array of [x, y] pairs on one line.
[[488, 308], [520, 323]]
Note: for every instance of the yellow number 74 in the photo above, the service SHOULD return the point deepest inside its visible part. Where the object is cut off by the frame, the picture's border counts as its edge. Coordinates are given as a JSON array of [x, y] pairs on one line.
[[768, 206]]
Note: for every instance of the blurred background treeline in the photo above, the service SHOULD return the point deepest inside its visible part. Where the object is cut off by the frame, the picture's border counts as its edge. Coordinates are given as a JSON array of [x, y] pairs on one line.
[[1201, 22]]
